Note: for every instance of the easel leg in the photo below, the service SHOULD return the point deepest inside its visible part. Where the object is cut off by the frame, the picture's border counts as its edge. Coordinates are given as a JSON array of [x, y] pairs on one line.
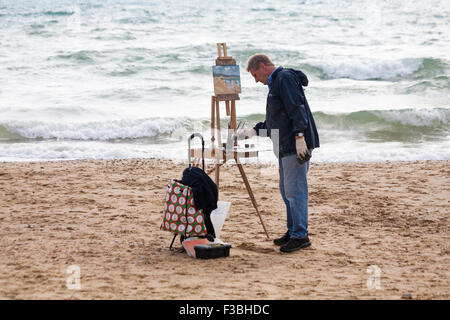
[[213, 125], [252, 197], [219, 144], [217, 179]]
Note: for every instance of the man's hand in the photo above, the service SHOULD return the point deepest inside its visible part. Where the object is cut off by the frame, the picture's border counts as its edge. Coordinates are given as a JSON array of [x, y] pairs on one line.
[[242, 134], [300, 145]]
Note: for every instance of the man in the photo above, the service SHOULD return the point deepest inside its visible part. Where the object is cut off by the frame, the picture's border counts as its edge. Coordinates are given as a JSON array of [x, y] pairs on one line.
[[288, 112]]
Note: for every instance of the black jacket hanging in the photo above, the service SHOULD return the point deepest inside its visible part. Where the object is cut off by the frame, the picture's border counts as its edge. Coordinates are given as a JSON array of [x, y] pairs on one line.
[[205, 193]]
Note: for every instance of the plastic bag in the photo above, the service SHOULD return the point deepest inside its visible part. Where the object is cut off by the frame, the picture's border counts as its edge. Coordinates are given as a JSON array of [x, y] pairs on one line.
[[219, 215]]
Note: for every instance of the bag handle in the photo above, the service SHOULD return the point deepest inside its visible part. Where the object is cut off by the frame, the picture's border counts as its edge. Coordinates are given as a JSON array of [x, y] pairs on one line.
[[192, 136]]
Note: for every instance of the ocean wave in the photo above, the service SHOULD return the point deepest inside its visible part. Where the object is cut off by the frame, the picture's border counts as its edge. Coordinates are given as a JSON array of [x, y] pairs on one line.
[[415, 68], [102, 131], [58, 13], [83, 56], [137, 20], [414, 118], [371, 135], [368, 69], [432, 68], [264, 9], [61, 13], [386, 125], [353, 68], [330, 151], [434, 117], [439, 83], [70, 150], [404, 125], [9, 135]]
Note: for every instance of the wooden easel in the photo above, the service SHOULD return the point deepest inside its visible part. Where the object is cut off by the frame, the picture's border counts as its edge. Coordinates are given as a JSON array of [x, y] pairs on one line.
[[218, 152]]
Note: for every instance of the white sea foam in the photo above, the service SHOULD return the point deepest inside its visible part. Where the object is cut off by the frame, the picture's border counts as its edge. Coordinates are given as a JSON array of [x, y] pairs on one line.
[[69, 150], [354, 151], [351, 151], [106, 130]]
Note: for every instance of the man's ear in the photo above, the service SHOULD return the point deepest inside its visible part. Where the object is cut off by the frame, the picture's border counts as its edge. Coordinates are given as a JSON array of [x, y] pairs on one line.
[[261, 66]]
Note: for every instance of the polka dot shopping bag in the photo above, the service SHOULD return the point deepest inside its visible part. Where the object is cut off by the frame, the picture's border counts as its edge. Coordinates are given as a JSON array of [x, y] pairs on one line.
[[180, 215]]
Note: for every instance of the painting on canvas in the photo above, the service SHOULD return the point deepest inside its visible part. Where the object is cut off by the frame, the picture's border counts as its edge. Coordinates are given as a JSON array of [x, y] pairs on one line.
[[227, 80]]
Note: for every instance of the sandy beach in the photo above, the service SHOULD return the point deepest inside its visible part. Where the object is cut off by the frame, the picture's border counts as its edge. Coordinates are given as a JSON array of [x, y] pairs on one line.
[[378, 231]]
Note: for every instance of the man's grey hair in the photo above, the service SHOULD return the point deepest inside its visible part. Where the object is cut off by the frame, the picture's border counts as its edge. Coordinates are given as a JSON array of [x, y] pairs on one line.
[[254, 60]]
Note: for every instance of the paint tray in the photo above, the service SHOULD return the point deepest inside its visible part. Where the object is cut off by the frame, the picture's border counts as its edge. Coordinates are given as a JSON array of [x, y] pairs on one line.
[[191, 242]]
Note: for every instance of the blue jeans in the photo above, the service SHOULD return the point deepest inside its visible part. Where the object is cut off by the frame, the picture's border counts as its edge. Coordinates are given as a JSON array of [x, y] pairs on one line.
[[294, 191]]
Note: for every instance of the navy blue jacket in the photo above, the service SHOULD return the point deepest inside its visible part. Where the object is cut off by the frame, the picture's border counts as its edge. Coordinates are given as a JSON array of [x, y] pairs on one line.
[[288, 111]]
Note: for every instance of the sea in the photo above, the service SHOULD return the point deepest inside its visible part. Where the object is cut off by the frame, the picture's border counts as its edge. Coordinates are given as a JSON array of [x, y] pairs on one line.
[[110, 79]]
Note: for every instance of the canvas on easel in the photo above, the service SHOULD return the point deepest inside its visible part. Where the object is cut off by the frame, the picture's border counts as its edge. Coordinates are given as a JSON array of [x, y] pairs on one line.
[[227, 80]]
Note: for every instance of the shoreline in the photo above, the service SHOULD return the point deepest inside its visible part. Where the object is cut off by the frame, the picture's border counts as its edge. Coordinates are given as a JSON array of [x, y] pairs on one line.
[[176, 162], [104, 216]]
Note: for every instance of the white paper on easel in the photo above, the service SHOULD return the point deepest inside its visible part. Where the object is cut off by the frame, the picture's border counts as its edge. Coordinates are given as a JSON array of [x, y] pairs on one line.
[[219, 215]]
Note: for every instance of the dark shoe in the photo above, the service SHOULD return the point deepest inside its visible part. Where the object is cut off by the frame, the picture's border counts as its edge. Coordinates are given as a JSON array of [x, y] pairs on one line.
[[295, 244], [283, 240]]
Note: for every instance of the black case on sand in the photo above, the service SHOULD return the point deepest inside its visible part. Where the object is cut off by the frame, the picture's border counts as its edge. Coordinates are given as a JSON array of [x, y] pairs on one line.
[[211, 251]]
